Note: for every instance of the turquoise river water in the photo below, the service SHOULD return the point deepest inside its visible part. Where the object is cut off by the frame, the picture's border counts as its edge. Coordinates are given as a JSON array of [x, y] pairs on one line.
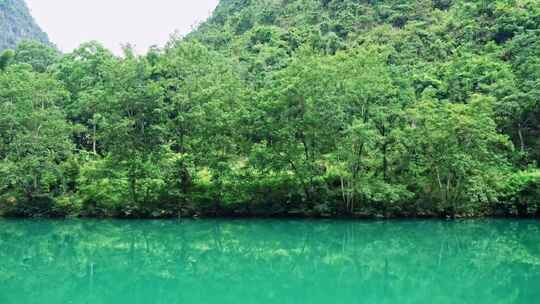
[[269, 261]]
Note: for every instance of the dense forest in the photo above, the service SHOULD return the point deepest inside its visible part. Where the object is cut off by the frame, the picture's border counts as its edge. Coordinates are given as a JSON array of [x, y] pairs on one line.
[[285, 107], [16, 24]]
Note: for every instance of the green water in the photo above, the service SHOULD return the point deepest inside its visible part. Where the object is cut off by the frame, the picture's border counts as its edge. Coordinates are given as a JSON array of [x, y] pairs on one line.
[[269, 261]]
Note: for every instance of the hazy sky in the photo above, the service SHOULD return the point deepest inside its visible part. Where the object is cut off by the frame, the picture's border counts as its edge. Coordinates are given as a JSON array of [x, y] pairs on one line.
[[115, 22]]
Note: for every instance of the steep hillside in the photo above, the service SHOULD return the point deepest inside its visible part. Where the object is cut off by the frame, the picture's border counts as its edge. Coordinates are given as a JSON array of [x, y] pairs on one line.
[[447, 49], [418, 31], [17, 24]]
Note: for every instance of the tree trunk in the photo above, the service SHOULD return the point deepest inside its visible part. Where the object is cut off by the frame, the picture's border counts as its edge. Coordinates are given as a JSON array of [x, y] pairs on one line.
[[521, 140], [94, 148]]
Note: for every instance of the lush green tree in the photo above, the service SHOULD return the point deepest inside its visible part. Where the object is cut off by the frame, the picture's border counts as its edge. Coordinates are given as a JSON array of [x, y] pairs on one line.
[[130, 126], [5, 59], [520, 193], [87, 74], [374, 98], [297, 116], [35, 140], [203, 99], [459, 157], [39, 56]]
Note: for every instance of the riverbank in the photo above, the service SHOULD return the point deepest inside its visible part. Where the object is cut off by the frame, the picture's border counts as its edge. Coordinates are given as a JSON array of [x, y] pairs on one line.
[[224, 213]]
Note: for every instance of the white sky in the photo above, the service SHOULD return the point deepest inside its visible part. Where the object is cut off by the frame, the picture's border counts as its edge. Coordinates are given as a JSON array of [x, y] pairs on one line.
[[142, 23]]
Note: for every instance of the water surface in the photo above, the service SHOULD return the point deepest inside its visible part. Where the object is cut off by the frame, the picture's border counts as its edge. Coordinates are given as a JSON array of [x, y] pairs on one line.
[[269, 261]]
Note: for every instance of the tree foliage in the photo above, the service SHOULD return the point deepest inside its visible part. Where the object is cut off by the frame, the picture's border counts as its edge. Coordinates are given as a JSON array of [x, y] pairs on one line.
[[302, 107]]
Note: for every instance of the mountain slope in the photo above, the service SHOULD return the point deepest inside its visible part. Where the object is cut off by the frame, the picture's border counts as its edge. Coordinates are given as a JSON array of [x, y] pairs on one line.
[[436, 29], [449, 49], [16, 24]]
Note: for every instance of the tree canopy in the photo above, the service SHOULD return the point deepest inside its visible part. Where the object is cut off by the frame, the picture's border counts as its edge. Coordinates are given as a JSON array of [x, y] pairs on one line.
[[298, 107]]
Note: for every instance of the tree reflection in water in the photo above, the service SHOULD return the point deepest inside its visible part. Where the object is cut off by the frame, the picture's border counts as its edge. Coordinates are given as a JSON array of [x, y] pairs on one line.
[[269, 261]]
